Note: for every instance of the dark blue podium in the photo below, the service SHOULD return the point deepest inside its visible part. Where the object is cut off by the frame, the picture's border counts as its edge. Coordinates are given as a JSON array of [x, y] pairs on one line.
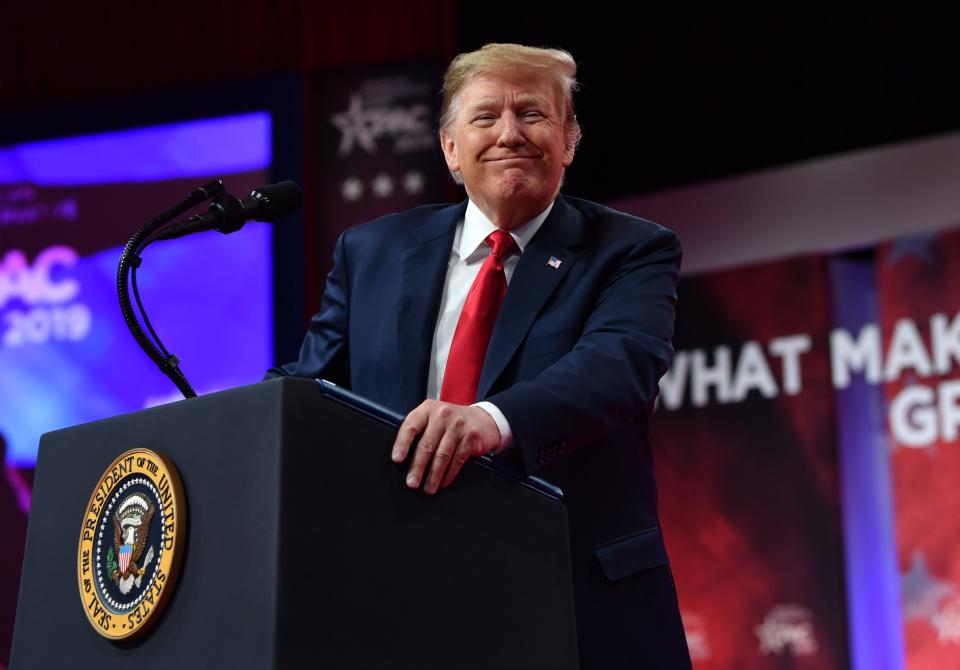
[[304, 549]]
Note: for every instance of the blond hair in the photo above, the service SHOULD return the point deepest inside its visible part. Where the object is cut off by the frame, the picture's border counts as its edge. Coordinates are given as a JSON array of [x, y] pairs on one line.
[[554, 64]]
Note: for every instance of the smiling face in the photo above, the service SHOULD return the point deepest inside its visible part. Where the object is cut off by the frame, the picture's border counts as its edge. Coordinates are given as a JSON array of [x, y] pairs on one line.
[[508, 142]]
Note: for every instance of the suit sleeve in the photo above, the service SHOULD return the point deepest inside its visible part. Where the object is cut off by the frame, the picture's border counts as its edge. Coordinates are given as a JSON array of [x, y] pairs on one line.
[[612, 373], [324, 352]]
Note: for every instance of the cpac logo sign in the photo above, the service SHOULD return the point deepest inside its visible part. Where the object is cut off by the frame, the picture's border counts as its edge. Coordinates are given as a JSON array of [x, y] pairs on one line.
[[363, 127], [35, 284], [45, 286], [696, 631], [787, 630]]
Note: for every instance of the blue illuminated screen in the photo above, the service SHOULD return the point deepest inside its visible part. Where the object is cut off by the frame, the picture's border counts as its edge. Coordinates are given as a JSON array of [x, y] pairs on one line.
[[67, 207]]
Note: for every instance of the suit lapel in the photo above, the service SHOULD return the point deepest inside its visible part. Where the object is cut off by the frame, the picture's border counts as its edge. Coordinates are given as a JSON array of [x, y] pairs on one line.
[[425, 262], [536, 276]]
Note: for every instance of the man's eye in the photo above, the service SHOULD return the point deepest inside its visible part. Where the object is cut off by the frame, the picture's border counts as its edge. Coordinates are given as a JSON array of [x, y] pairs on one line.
[[532, 115], [484, 118]]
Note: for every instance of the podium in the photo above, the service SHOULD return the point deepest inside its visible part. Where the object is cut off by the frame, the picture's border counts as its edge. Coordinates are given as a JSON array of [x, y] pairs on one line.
[[304, 547]]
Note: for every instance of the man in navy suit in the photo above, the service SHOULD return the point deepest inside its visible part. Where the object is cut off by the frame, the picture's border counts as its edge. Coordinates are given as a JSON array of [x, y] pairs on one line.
[[546, 349]]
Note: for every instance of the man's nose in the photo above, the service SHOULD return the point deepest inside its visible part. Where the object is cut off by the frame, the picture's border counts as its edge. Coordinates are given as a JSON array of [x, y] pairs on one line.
[[510, 135]]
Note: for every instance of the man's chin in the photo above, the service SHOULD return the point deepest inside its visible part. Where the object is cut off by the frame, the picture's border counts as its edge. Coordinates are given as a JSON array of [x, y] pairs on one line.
[[515, 184]]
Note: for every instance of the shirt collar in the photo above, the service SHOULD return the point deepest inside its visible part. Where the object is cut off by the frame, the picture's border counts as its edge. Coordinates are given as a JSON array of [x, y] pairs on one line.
[[476, 228]]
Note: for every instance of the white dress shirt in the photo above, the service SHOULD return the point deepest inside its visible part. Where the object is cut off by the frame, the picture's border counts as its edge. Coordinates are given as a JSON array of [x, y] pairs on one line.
[[466, 258]]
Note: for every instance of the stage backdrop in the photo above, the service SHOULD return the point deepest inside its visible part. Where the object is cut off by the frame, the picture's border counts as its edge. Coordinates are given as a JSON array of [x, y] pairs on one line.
[[746, 462], [807, 455]]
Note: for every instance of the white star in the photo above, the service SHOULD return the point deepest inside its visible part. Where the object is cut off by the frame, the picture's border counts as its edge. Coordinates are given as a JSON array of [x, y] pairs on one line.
[[382, 185], [413, 182], [351, 189], [947, 623], [918, 246], [920, 592], [355, 126]]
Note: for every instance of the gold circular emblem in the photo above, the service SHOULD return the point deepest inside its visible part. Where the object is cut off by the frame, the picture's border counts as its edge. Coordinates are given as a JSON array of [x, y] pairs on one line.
[[131, 542]]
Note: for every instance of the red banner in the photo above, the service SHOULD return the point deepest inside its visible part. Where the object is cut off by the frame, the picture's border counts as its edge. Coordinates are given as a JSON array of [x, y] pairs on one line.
[[919, 289], [747, 466]]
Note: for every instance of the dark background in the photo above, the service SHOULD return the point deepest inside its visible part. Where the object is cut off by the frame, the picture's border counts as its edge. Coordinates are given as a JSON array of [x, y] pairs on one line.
[[677, 94], [670, 94]]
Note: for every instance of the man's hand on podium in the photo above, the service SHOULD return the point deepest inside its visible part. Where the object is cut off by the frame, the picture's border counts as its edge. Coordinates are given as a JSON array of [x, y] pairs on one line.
[[450, 434]]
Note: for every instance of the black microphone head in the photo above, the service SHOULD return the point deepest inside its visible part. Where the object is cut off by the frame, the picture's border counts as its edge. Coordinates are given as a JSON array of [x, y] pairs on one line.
[[276, 200]]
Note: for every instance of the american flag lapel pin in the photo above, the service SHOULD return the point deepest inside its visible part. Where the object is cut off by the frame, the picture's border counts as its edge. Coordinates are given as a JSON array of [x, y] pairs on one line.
[[554, 262]]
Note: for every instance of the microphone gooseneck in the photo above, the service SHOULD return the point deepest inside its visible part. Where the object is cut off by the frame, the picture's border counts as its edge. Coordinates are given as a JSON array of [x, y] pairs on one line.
[[227, 214]]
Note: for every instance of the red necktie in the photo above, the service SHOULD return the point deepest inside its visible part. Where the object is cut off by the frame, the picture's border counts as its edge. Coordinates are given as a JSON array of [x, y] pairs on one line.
[[470, 339]]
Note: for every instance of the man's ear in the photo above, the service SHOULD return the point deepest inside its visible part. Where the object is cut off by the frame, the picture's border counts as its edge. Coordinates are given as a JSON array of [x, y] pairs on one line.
[[569, 148], [449, 151]]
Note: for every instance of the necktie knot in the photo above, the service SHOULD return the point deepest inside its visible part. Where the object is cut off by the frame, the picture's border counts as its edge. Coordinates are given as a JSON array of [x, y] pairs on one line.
[[502, 243]]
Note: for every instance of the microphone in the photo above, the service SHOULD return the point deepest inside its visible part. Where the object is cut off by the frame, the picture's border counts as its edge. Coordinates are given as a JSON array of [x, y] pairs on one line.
[[227, 214]]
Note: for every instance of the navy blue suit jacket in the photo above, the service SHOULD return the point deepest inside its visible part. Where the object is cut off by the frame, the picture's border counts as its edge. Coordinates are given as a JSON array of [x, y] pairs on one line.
[[573, 364]]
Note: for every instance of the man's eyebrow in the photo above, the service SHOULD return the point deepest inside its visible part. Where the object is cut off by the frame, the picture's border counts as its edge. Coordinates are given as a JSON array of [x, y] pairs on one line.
[[483, 103], [522, 100], [531, 99]]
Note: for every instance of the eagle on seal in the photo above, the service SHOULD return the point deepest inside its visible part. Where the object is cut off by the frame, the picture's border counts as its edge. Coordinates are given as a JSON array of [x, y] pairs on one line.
[[131, 525]]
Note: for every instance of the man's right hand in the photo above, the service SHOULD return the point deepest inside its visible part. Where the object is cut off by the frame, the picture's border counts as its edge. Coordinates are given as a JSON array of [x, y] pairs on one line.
[[449, 435]]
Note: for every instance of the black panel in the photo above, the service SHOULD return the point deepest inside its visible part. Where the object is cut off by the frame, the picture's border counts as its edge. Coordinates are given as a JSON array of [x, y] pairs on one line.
[[674, 94]]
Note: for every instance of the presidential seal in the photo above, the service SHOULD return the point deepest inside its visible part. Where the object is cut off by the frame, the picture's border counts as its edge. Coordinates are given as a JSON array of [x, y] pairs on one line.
[[131, 543]]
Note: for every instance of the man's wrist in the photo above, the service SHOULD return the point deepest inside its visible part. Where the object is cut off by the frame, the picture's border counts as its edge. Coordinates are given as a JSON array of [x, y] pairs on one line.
[[506, 435]]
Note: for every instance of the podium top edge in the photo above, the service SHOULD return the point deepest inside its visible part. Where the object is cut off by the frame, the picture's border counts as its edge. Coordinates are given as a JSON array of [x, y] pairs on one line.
[[395, 419]]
